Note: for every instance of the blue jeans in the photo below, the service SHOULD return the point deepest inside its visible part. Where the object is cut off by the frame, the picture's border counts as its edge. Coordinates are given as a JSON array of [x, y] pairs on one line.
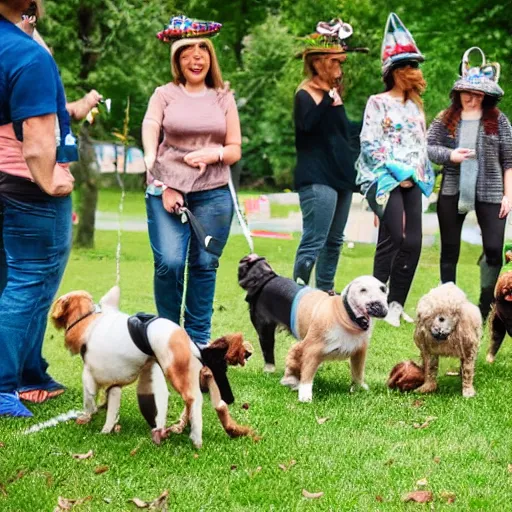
[[176, 250], [324, 217], [35, 240]]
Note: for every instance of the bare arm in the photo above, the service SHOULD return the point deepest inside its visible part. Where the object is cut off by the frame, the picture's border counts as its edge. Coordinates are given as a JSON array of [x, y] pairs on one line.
[[150, 136], [39, 151]]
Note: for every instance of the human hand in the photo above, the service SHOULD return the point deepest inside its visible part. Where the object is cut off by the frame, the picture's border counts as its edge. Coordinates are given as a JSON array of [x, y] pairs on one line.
[[27, 24], [62, 181], [406, 184], [172, 200], [506, 206], [375, 221], [460, 154], [202, 157], [335, 95], [83, 106]]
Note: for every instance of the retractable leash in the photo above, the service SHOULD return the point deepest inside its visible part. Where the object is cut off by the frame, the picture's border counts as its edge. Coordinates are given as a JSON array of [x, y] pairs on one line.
[[243, 224]]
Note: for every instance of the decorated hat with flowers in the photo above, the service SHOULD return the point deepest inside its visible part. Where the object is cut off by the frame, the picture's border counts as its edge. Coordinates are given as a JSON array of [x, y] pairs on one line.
[[181, 27], [483, 78], [398, 45], [330, 37]]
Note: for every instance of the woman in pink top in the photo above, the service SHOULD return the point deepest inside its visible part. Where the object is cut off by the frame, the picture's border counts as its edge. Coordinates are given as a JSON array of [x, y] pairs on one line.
[[191, 135]]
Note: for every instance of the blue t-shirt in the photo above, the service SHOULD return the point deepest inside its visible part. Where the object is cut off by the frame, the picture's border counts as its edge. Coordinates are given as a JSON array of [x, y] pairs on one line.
[[30, 86]]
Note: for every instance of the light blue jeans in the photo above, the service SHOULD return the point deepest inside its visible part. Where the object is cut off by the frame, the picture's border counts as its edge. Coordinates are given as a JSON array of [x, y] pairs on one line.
[[324, 217], [176, 250]]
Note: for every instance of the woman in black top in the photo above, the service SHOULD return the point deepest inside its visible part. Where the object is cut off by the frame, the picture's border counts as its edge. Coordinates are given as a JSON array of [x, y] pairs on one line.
[[327, 146]]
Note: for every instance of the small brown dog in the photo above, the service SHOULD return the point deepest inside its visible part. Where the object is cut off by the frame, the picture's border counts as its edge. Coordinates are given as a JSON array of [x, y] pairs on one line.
[[500, 318], [447, 325], [406, 376]]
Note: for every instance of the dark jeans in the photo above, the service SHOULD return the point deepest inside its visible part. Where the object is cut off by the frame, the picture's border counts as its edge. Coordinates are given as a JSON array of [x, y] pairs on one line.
[[324, 217], [176, 250], [399, 243], [34, 248], [493, 234]]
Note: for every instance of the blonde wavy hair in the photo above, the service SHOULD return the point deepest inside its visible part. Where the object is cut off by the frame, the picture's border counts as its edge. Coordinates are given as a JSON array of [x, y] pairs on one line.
[[213, 77]]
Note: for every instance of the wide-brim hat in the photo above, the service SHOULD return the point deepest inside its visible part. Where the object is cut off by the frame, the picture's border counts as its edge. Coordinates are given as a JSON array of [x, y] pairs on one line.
[[329, 38], [483, 78], [398, 45], [181, 27]]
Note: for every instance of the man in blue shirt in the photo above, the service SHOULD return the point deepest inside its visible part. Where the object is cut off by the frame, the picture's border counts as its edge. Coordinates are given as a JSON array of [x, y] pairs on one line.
[[35, 214]]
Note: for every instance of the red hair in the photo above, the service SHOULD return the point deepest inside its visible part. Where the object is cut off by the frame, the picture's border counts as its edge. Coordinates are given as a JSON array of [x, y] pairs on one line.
[[451, 116]]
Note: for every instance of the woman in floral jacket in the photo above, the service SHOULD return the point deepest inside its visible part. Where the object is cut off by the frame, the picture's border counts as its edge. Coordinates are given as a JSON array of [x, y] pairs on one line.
[[393, 167]]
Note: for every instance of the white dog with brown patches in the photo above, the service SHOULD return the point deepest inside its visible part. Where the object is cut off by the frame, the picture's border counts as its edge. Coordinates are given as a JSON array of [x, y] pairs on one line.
[[112, 359]]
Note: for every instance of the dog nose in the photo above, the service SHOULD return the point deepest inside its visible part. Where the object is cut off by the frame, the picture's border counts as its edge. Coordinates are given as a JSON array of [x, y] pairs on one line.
[[377, 309]]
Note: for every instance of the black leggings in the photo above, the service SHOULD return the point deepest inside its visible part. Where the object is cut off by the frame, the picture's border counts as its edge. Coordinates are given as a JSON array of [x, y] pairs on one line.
[[450, 225], [399, 247]]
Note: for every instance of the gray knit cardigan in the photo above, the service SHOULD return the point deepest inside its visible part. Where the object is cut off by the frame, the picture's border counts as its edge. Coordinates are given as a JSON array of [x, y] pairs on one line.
[[494, 153]]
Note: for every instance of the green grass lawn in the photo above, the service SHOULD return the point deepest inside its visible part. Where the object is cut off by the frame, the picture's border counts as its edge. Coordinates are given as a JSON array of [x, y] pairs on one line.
[[365, 457]]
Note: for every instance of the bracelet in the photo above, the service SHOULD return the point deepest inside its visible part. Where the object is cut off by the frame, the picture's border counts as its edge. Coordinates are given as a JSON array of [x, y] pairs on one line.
[[221, 154]]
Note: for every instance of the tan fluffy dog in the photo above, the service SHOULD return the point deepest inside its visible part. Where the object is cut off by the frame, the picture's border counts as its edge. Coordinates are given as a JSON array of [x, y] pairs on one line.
[[447, 325]]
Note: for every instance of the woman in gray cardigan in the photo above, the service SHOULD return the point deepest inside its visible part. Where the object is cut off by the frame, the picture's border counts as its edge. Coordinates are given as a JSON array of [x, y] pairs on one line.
[[472, 139]]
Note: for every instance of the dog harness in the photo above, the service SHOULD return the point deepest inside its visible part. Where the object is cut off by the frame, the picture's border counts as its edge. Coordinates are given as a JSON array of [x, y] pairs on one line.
[[295, 306], [138, 328], [213, 359]]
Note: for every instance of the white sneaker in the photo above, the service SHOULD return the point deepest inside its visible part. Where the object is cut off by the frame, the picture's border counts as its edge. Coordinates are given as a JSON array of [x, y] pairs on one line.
[[395, 311]]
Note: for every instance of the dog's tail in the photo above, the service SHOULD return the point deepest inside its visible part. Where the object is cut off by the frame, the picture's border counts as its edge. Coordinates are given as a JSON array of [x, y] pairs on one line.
[[254, 272], [111, 299]]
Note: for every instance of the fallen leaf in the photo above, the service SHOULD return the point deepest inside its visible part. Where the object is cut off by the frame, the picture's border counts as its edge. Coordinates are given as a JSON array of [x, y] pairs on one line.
[[134, 451], [448, 496], [437, 460], [380, 499], [117, 429], [510, 468], [196, 456], [49, 479], [311, 495], [245, 406], [107, 500], [452, 373], [418, 496], [2, 445], [418, 403], [258, 469], [283, 467], [3, 490], [426, 423], [83, 456], [139, 503], [389, 462], [98, 470], [321, 421], [292, 463], [422, 483], [19, 475], [160, 502], [68, 504]]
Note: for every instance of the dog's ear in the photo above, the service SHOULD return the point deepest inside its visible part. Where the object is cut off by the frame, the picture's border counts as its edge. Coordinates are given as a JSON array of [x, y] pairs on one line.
[[59, 312], [219, 344], [236, 349]]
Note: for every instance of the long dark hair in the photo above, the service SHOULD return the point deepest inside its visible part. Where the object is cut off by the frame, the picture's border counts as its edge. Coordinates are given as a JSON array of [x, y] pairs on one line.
[[451, 116]]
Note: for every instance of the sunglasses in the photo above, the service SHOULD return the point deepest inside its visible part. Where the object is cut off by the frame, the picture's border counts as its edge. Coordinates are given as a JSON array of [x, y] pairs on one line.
[[407, 63]]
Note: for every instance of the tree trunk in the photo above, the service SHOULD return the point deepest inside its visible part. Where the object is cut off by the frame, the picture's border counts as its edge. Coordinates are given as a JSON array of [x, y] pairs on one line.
[[86, 175]]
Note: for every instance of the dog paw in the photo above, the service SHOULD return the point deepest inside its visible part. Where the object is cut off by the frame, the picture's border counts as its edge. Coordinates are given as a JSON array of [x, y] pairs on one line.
[[158, 434], [358, 387], [107, 429], [490, 358], [305, 393], [468, 392], [83, 419], [427, 388], [197, 441], [269, 368], [290, 381]]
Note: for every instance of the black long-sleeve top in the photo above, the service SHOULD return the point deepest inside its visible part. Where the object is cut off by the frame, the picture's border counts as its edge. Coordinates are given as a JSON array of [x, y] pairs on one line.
[[327, 143]]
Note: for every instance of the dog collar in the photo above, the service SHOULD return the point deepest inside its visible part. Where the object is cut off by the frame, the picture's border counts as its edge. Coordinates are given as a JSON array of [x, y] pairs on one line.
[[361, 322], [83, 317]]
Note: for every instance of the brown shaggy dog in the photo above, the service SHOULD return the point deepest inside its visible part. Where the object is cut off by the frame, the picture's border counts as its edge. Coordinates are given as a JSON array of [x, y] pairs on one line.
[[500, 318], [447, 325]]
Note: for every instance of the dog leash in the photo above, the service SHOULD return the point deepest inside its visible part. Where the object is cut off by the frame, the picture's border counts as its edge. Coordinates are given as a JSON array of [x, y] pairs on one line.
[[243, 224]]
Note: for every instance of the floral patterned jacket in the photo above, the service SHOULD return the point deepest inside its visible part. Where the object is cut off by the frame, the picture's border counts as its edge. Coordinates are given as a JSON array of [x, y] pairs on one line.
[[393, 147]]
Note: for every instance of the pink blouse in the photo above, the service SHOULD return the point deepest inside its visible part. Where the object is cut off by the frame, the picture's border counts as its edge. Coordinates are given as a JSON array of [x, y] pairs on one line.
[[190, 121]]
